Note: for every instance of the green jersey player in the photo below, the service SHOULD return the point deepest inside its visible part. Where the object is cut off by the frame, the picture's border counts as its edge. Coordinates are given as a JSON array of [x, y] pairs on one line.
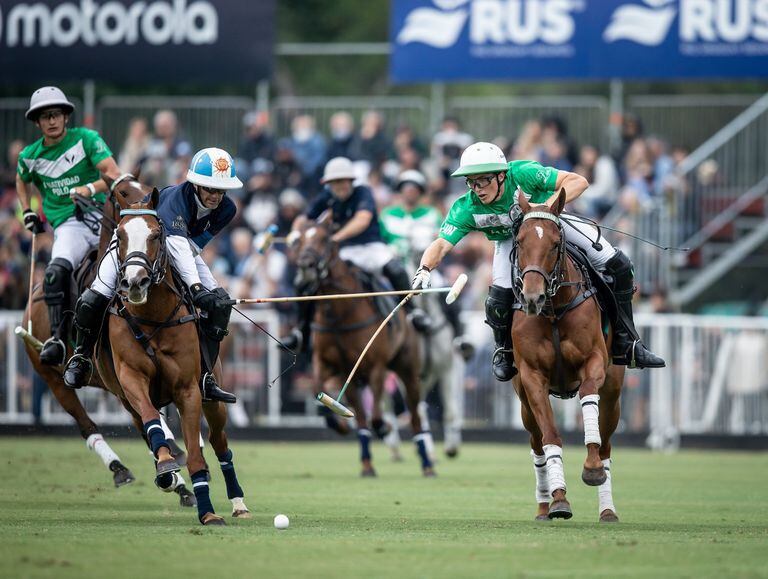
[[64, 161], [493, 186]]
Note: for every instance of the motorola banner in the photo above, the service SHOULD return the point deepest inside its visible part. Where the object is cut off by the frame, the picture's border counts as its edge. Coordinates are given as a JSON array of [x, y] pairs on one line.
[[580, 39], [184, 41]]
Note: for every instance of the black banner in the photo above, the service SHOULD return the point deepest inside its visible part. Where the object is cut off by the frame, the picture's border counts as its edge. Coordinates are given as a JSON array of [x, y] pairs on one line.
[[133, 41]]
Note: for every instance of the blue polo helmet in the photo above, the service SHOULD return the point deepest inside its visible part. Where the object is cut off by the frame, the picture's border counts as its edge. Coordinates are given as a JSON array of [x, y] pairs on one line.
[[214, 168]]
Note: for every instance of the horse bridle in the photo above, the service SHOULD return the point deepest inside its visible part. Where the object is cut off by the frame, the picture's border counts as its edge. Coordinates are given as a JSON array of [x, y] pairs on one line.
[[156, 268], [321, 264], [553, 280]]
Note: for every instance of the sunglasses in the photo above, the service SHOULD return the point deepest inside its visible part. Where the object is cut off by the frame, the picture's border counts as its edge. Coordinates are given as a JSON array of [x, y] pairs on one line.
[[479, 182], [213, 191], [51, 115]]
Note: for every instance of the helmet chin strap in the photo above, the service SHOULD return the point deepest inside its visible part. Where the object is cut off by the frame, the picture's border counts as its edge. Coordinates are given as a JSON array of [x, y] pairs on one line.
[[498, 189]]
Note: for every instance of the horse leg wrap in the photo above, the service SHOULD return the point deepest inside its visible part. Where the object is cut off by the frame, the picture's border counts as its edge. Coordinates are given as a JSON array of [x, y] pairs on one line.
[[230, 478], [97, 444], [422, 441], [154, 433], [200, 487], [604, 491], [364, 436], [555, 470], [590, 412], [168, 481], [542, 484]]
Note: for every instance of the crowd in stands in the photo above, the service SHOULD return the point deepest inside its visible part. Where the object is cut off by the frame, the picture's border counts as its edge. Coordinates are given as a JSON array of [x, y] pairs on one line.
[[282, 173]]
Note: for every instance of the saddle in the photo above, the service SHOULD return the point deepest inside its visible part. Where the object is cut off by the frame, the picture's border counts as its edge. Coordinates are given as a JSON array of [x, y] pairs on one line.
[[600, 282]]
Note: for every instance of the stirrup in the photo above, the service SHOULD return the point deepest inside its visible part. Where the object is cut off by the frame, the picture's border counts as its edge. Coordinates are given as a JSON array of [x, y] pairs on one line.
[[212, 392], [50, 343]]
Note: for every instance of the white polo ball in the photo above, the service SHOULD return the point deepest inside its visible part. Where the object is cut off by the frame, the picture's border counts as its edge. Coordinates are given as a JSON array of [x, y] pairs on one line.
[[281, 522]]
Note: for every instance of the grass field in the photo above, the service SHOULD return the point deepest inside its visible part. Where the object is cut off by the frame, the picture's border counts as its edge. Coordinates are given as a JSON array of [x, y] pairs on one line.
[[691, 514]]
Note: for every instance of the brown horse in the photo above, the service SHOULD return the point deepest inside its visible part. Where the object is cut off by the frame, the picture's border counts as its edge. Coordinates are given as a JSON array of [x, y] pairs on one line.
[[340, 331], [560, 349], [158, 358]]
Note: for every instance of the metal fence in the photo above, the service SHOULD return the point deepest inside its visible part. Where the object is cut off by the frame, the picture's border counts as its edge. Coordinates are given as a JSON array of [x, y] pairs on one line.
[[486, 118], [716, 381], [204, 121]]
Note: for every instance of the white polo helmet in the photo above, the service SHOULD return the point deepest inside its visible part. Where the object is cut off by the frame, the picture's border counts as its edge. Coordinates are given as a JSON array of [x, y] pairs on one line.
[[481, 158], [213, 168], [412, 176], [338, 168], [47, 97]]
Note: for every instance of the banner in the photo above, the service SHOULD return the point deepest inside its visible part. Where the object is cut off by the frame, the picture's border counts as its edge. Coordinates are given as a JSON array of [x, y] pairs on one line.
[[435, 40], [184, 41]]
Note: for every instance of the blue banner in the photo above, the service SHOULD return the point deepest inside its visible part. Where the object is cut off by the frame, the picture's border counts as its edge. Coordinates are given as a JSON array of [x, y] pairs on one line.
[[434, 40]]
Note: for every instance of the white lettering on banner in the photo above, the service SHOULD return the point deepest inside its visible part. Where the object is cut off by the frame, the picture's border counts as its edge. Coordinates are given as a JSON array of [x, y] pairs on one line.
[[507, 23], [730, 21], [110, 23]]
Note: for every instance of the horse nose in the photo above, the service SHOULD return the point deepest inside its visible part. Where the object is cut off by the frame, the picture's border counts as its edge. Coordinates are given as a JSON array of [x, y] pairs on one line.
[[144, 282], [124, 285], [534, 302]]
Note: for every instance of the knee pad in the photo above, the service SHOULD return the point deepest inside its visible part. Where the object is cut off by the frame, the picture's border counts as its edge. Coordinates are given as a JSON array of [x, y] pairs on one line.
[[619, 263], [90, 309], [393, 268], [56, 281], [498, 306], [216, 324]]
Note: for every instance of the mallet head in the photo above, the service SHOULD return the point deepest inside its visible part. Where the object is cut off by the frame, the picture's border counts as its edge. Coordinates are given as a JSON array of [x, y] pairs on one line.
[[456, 288]]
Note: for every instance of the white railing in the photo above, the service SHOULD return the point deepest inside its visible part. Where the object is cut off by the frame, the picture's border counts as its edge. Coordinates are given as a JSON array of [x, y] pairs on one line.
[[716, 381]]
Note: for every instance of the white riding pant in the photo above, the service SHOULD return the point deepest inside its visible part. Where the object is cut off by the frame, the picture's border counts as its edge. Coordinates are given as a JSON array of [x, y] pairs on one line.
[[106, 279], [73, 240], [370, 257], [578, 232]]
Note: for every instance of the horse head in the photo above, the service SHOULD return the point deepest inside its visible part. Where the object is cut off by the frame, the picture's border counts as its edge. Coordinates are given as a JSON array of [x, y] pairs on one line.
[[540, 250], [316, 251], [142, 256]]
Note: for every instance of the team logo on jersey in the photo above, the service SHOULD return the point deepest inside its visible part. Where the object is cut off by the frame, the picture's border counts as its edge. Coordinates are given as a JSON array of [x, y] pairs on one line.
[[178, 223], [448, 229]]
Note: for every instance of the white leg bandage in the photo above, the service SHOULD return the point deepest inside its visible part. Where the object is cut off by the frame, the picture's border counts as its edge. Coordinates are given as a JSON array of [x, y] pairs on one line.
[[97, 444], [166, 430], [392, 440], [542, 484], [590, 411], [604, 491], [555, 470]]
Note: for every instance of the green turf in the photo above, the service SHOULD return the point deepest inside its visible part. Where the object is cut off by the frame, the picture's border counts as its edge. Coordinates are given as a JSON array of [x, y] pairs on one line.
[[691, 514]]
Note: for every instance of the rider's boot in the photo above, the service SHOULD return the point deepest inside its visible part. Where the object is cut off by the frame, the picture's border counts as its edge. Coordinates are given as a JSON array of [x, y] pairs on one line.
[[498, 315], [56, 291], [89, 313], [300, 337], [628, 349], [398, 277], [213, 329]]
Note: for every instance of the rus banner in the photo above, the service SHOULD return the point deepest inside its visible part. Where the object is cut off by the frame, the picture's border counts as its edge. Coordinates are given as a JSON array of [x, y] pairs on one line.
[[136, 40], [577, 39]]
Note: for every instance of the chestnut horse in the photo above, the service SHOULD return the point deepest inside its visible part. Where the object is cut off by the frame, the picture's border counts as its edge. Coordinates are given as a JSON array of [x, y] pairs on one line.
[[52, 375], [340, 331], [560, 349], [158, 358]]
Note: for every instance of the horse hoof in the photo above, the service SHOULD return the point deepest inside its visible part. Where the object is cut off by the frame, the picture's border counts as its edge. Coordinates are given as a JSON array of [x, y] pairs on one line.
[[594, 477], [241, 514], [451, 452], [368, 473], [608, 516], [213, 520], [166, 466], [177, 453], [429, 472], [560, 510], [122, 476], [186, 497], [542, 518]]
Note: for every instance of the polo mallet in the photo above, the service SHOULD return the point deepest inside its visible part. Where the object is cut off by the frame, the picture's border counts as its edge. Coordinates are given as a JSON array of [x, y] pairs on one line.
[[32, 260], [432, 290], [335, 405], [266, 239]]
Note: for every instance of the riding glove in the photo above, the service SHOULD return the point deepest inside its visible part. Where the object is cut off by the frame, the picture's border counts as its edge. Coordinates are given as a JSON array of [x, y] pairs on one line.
[[421, 279], [203, 298], [32, 222]]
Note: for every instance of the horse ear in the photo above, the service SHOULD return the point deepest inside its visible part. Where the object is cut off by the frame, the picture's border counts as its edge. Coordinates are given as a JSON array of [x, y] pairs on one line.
[[155, 198], [325, 219], [559, 205], [524, 205]]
